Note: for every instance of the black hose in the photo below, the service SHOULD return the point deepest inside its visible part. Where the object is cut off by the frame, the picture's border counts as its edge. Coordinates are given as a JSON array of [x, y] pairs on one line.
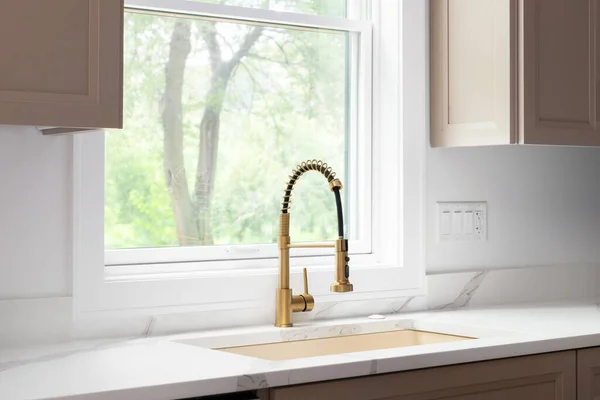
[[340, 213]]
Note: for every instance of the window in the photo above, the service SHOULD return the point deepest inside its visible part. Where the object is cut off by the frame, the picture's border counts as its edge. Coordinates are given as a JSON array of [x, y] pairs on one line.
[[221, 101], [217, 113]]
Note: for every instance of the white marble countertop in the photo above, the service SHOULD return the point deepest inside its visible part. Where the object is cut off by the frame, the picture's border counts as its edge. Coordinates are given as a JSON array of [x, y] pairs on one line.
[[171, 368]]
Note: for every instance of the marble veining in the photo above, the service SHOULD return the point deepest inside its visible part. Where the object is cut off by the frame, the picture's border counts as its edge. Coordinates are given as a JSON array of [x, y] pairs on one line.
[[148, 330], [345, 330], [303, 333], [327, 309], [403, 305], [468, 291], [251, 382], [299, 334]]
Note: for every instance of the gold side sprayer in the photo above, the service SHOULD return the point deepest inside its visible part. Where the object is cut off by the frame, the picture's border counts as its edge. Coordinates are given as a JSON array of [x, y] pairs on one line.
[[286, 302]]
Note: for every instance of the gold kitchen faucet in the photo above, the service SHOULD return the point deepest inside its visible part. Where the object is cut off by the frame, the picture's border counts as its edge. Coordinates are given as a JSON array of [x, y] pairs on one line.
[[286, 302]]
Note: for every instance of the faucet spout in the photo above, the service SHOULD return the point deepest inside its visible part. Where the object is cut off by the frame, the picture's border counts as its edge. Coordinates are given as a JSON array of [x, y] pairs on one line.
[[286, 303]]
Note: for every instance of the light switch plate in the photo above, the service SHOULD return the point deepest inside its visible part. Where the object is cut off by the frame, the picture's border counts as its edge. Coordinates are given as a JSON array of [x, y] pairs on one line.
[[462, 221]]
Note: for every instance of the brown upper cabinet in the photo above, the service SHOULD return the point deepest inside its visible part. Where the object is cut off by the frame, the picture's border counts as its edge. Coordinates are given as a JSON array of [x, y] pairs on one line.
[[61, 63], [515, 72]]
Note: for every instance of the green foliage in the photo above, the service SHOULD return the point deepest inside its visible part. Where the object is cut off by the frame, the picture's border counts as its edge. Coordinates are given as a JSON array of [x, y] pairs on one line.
[[284, 104]]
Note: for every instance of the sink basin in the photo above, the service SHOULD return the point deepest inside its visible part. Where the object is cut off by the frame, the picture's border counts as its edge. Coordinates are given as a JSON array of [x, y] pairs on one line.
[[329, 338], [341, 344]]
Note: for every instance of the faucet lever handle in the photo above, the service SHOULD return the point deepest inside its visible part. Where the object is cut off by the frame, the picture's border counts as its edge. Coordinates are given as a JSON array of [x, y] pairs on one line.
[[305, 273]]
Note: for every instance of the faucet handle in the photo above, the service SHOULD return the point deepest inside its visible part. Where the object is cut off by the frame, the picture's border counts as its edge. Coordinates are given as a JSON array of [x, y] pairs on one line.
[[308, 301], [305, 281]]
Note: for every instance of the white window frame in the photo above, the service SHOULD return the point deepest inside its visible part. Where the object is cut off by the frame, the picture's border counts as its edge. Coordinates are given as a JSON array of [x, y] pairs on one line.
[[396, 263]]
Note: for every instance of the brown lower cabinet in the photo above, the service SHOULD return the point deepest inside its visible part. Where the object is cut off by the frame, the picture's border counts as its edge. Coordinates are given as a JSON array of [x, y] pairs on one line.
[[588, 374], [567, 375]]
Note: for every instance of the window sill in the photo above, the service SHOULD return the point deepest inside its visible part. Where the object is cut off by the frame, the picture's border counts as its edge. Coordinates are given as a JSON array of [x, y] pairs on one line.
[[195, 291]]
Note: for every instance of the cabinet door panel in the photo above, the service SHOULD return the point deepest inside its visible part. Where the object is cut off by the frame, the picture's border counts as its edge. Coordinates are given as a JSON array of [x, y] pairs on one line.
[[61, 63], [540, 377], [473, 75], [588, 374], [560, 71]]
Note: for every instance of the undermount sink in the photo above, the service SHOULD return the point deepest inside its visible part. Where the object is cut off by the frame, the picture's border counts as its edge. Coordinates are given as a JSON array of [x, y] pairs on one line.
[[341, 344], [330, 338]]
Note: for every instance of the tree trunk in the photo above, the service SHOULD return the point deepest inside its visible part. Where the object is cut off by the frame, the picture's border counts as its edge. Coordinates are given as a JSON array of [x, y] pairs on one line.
[[211, 124], [193, 216], [173, 160], [208, 150]]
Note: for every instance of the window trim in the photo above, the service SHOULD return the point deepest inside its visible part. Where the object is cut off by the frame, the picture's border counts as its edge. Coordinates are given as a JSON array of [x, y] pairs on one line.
[[398, 267], [249, 14]]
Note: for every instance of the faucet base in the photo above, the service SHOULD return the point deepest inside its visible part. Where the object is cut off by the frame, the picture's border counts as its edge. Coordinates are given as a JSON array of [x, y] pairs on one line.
[[286, 304], [283, 309]]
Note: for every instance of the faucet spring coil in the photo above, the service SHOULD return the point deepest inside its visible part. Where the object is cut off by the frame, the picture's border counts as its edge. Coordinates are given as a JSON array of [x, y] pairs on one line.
[[303, 167]]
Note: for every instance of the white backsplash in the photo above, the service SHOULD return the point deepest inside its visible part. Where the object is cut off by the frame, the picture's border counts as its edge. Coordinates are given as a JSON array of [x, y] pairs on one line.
[[48, 320]]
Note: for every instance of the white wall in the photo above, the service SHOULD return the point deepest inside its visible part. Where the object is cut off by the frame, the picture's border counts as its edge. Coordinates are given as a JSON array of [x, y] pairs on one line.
[[544, 208], [543, 205], [34, 214]]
